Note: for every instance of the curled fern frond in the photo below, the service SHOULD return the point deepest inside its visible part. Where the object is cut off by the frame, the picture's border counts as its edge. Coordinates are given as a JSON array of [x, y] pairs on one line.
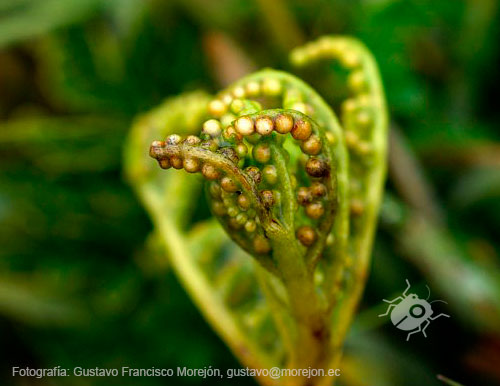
[[365, 124], [294, 187]]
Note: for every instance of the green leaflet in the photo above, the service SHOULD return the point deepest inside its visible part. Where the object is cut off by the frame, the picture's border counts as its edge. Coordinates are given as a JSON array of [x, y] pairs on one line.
[[295, 188]]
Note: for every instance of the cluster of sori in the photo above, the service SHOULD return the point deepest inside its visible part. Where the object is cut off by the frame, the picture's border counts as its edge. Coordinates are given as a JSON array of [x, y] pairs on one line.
[[358, 112], [237, 152]]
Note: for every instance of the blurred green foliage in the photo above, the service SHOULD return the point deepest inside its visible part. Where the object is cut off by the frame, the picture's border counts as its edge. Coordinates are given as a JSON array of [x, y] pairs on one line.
[[82, 280]]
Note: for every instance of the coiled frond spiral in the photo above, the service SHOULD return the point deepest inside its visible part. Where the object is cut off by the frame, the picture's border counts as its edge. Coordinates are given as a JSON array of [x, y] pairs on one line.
[[293, 186]]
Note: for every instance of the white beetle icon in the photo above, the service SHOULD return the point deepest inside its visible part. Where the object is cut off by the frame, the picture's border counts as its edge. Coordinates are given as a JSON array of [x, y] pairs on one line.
[[411, 313]]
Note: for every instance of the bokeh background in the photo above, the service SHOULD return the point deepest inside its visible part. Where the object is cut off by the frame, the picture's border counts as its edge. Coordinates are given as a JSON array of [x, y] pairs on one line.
[[81, 281]]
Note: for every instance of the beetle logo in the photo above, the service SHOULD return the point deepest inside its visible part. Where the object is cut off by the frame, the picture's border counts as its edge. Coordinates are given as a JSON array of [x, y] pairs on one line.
[[410, 313]]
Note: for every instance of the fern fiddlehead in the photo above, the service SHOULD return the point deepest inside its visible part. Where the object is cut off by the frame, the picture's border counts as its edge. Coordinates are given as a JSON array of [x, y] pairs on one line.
[[291, 185]]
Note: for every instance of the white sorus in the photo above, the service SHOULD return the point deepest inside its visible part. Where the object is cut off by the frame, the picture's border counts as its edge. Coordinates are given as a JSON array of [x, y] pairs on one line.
[[264, 125], [244, 126], [212, 127], [216, 107]]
